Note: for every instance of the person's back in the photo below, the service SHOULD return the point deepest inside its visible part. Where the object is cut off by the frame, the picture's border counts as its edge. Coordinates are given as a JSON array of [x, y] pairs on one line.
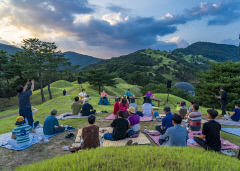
[[195, 118], [123, 107], [76, 108], [86, 109], [90, 136], [22, 133], [147, 109], [236, 116], [49, 123], [24, 100], [212, 131], [120, 127], [134, 120], [116, 108], [167, 121], [178, 136]]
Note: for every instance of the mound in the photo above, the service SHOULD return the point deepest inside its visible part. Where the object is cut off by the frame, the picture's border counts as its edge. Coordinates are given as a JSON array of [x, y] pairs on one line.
[[139, 158]]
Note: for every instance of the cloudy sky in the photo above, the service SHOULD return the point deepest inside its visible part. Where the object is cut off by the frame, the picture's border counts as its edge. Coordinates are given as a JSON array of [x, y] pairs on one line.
[[107, 28]]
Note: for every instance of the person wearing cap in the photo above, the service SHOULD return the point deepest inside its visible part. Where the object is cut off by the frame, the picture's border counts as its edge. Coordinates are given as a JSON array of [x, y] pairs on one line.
[[134, 121], [20, 134], [166, 122], [51, 125], [224, 100], [25, 108], [87, 108]]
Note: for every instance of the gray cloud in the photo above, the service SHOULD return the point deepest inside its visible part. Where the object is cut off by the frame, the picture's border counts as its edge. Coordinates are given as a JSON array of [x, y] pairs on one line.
[[116, 8], [132, 34]]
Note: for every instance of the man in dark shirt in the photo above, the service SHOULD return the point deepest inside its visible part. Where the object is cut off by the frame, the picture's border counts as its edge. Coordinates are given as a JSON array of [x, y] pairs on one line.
[[64, 92], [211, 132], [87, 109], [25, 108], [224, 100], [120, 127]]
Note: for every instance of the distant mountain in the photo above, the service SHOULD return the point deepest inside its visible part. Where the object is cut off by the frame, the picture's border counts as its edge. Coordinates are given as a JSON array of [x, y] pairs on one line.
[[82, 60], [212, 51], [9, 48], [75, 58]]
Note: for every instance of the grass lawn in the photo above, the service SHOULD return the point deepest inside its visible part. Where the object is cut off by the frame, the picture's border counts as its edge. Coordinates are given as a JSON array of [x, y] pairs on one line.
[[12, 159], [139, 158]]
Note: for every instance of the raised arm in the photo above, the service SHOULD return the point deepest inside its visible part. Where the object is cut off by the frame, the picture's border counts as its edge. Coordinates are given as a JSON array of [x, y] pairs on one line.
[[26, 86], [32, 86]]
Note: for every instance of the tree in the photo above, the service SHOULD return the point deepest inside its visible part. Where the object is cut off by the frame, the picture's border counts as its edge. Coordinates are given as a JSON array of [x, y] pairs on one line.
[[99, 78], [225, 74]]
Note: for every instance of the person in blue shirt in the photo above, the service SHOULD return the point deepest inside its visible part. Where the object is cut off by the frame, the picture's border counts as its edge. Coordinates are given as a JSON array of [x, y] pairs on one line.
[[51, 125], [25, 108], [235, 115], [87, 109], [176, 135], [129, 95], [166, 122]]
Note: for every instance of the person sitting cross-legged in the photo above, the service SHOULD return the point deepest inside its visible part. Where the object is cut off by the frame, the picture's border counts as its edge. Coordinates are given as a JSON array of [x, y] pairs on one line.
[[90, 134], [166, 122], [76, 106], [20, 134], [176, 135], [147, 107], [194, 118], [120, 127], [210, 132], [235, 115], [87, 108], [51, 125], [134, 121]]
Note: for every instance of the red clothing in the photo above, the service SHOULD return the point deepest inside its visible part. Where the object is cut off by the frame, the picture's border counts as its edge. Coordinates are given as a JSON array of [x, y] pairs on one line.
[[124, 108], [116, 108]]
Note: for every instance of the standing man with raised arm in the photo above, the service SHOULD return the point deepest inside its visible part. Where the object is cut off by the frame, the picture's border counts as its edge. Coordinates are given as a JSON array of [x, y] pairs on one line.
[[25, 108]]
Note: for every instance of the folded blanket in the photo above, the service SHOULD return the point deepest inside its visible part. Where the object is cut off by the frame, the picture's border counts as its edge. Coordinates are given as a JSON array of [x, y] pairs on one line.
[[69, 115], [141, 139], [234, 131]]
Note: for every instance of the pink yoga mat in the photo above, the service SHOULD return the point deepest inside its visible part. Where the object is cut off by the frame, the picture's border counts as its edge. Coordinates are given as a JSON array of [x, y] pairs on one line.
[[225, 143], [142, 119]]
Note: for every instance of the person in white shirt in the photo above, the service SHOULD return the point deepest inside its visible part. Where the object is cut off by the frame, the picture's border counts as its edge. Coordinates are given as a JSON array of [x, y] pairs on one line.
[[147, 107], [82, 94]]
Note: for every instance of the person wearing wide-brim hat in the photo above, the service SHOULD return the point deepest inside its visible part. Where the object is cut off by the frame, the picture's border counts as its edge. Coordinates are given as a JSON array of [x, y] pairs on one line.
[[134, 121], [20, 134]]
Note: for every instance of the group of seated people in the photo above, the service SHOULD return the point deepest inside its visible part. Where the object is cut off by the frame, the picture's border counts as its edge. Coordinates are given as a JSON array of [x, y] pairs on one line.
[[83, 107]]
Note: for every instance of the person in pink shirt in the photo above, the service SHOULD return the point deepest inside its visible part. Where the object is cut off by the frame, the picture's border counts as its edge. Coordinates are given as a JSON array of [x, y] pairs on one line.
[[103, 99], [124, 106]]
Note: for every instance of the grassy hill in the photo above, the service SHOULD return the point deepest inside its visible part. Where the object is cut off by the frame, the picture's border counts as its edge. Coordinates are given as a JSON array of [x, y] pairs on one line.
[[139, 158], [9, 48], [177, 158], [212, 51]]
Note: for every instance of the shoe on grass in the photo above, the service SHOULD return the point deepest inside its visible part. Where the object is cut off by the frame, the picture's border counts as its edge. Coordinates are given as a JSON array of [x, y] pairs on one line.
[[129, 142]]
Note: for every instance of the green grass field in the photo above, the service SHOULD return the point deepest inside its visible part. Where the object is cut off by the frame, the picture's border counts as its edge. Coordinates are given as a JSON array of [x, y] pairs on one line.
[[111, 158], [139, 158]]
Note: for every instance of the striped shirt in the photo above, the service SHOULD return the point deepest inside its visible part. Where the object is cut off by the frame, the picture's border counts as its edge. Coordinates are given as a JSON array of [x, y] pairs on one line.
[[22, 133]]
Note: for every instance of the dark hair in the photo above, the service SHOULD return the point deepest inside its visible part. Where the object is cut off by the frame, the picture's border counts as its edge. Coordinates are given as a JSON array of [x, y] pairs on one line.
[[76, 98], [120, 113], [132, 100], [83, 89], [221, 88], [183, 103], [192, 102], [196, 106], [213, 113], [20, 123], [19, 88], [146, 100], [177, 118], [91, 119], [117, 99], [124, 102], [129, 89], [167, 109], [237, 105]]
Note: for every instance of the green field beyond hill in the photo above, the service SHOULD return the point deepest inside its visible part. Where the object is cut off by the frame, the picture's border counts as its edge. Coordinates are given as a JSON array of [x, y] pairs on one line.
[[122, 158]]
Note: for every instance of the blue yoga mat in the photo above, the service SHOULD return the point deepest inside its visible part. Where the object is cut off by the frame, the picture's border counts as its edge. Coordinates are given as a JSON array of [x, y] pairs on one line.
[[234, 131], [36, 137]]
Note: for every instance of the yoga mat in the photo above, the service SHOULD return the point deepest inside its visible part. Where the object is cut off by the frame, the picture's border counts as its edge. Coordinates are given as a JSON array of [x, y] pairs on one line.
[[142, 119], [70, 116], [36, 137], [227, 122], [234, 131], [225, 143], [141, 139]]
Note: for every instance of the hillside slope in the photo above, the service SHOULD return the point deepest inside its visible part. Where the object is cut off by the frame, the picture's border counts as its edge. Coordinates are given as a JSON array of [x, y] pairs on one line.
[[213, 51], [9, 48]]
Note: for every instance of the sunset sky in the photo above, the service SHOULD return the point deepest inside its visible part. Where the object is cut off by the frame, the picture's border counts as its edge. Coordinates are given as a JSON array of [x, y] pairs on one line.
[[107, 28]]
